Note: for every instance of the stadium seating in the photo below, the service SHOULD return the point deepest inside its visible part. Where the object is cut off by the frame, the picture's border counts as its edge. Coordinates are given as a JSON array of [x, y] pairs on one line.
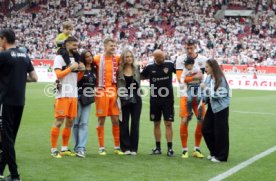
[[169, 24]]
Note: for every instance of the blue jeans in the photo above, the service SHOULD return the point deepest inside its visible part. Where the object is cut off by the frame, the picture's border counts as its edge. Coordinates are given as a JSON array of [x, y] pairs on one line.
[[80, 127], [193, 100]]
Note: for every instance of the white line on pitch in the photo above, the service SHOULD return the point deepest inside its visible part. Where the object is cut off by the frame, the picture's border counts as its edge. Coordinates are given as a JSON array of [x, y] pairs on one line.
[[243, 165], [247, 112]]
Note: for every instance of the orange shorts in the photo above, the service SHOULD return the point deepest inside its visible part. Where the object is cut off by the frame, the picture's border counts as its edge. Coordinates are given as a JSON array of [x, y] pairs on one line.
[[66, 107], [183, 111], [106, 102]]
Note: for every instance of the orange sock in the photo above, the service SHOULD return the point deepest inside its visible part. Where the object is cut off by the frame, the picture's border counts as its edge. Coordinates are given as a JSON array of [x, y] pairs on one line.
[[198, 135], [116, 135], [54, 136], [100, 132], [66, 133], [184, 135]]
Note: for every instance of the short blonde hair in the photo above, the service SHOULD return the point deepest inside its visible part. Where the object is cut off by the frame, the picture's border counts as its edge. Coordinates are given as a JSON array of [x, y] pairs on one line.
[[67, 25], [107, 40]]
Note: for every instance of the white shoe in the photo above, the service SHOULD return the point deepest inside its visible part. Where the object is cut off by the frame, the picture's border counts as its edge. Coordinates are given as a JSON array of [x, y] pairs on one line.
[[209, 157], [214, 160], [80, 154], [127, 152], [134, 153]]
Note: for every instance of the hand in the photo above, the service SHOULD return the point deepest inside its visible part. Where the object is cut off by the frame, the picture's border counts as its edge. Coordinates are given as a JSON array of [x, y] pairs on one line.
[[202, 85], [74, 66], [198, 76], [1, 49], [81, 67]]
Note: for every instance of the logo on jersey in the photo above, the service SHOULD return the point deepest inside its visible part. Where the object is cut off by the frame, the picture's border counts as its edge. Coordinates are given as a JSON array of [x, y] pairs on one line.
[[166, 70], [60, 112], [13, 54]]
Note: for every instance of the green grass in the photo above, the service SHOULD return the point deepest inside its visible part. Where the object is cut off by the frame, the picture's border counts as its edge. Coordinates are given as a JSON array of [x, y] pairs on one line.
[[250, 134]]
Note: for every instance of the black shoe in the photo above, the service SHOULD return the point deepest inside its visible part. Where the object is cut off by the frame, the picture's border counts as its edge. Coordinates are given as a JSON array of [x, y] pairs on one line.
[[156, 151], [11, 179], [170, 153]]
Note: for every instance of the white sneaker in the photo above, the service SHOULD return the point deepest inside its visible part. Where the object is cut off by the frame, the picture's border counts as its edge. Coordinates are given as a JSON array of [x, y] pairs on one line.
[[209, 157], [134, 153], [127, 152], [214, 160], [80, 154]]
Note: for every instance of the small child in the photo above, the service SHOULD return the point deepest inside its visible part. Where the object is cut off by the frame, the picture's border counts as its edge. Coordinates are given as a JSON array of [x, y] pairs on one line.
[[190, 89], [67, 28]]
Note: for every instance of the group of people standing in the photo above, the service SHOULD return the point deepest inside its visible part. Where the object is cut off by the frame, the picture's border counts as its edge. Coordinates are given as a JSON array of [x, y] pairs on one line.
[[113, 83], [115, 88]]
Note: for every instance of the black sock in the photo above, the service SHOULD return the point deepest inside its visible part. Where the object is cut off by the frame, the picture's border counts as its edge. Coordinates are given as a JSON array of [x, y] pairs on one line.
[[158, 145], [169, 145]]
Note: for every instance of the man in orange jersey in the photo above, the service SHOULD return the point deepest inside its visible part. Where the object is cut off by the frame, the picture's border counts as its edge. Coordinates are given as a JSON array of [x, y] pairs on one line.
[[106, 94], [199, 61], [67, 71]]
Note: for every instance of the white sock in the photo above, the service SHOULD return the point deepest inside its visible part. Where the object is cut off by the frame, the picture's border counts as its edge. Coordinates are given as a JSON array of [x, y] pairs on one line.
[[64, 148], [185, 149], [116, 147], [101, 148], [196, 148], [53, 150]]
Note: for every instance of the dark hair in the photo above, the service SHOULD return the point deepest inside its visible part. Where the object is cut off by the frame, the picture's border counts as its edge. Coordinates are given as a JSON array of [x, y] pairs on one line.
[[82, 57], [70, 39], [189, 60], [8, 34], [191, 42], [217, 72]]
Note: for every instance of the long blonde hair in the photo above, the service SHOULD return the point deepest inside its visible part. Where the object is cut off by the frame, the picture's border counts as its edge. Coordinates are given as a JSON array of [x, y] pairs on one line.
[[123, 60]]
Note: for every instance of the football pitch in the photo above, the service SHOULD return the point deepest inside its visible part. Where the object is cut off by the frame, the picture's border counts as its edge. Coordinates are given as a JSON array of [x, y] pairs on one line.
[[252, 131]]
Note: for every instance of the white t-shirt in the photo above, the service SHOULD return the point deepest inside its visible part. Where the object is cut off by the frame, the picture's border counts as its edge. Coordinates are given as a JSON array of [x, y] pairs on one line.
[[200, 61], [185, 73], [69, 82]]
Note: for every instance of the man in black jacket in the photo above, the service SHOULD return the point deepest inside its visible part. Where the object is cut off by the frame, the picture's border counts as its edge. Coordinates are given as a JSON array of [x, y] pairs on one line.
[[15, 70]]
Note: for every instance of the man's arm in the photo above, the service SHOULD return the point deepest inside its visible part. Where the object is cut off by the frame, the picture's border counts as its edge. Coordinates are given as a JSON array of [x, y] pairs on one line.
[[58, 67], [3, 57], [32, 76], [183, 77], [145, 73], [179, 68], [178, 74], [198, 76]]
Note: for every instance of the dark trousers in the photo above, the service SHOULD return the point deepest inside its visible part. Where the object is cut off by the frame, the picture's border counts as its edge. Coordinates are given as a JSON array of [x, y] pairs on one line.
[[10, 118], [215, 131], [129, 138]]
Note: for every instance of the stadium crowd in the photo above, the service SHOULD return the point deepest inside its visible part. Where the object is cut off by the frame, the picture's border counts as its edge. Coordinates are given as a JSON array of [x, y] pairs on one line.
[[144, 26]]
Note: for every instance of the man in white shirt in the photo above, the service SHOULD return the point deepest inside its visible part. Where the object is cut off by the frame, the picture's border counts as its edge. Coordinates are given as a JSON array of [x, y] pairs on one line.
[[67, 68], [199, 61]]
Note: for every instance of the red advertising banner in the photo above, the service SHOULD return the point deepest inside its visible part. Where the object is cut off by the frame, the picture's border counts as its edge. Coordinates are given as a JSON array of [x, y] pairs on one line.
[[249, 69]]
